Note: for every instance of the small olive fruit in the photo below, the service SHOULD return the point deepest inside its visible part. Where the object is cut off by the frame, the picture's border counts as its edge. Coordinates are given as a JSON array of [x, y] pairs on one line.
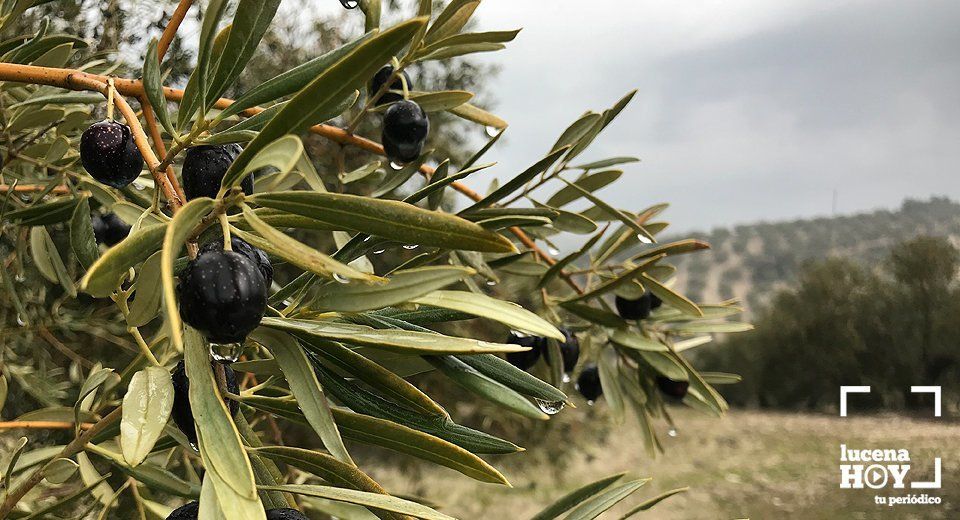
[[673, 389], [655, 301], [255, 254], [405, 129], [222, 294], [285, 513], [109, 229], [638, 309], [204, 167], [186, 512], [588, 382], [381, 77], [526, 359], [109, 154], [182, 414], [569, 350]]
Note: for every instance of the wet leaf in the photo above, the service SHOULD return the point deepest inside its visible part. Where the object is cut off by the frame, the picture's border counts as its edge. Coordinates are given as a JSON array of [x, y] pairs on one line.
[[146, 409]]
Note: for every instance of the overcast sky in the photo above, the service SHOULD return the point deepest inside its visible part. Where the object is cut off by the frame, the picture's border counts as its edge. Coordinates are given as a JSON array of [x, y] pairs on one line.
[[747, 109]]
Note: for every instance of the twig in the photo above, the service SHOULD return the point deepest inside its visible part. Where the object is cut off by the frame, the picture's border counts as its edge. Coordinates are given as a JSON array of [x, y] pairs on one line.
[[170, 31], [43, 425], [28, 188]]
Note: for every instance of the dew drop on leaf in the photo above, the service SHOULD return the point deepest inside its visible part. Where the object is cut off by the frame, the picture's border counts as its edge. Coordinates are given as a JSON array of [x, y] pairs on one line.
[[553, 251], [549, 407], [350, 4], [21, 321], [225, 352], [672, 432], [411, 246], [396, 166], [20, 277], [491, 131], [643, 239], [340, 278], [378, 251], [491, 283], [566, 378], [590, 402]]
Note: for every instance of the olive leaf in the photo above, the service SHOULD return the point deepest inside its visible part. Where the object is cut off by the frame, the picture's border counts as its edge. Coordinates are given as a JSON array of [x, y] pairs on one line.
[[175, 234], [402, 286], [391, 219], [396, 340], [296, 252], [153, 86], [508, 313], [104, 275], [305, 387], [282, 154], [197, 86], [575, 497], [149, 292], [364, 498], [146, 408], [220, 445], [82, 239], [250, 23], [59, 471]]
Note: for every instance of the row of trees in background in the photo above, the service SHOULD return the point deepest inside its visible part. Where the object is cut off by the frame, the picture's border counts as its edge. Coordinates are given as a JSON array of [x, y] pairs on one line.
[[888, 325]]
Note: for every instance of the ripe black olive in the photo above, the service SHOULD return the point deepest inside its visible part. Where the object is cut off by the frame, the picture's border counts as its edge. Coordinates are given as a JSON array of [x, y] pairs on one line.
[[638, 309], [405, 129], [182, 413], [185, 512], [222, 294], [109, 229], [673, 389], [204, 167], [376, 83], [526, 359], [588, 382], [109, 153], [255, 254], [285, 513]]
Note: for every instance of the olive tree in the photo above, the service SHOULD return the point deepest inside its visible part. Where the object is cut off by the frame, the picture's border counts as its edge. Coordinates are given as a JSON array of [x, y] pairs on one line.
[[201, 282]]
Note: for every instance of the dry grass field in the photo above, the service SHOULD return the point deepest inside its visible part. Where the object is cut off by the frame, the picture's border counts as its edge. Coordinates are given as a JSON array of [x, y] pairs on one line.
[[757, 465]]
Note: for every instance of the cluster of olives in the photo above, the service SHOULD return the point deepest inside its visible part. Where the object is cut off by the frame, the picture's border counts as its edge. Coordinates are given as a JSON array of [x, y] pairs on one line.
[[569, 350], [405, 124], [192, 510]]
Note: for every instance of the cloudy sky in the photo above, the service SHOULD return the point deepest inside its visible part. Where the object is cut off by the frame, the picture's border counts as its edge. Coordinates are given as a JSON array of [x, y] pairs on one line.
[[747, 110]]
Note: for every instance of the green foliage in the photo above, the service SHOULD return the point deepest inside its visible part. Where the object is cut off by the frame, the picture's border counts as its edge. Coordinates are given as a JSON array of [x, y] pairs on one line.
[[847, 324], [348, 321]]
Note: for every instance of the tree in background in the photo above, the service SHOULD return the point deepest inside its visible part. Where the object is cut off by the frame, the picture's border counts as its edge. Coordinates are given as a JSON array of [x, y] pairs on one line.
[[890, 326]]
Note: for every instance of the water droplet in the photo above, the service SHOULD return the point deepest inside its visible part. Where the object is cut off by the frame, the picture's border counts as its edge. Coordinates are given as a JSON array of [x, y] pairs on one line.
[[340, 278], [20, 277], [378, 251], [491, 131], [549, 407], [643, 239], [672, 432], [139, 187], [21, 321], [396, 166], [411, 246], [225, 352], [518, 334], [491, 283], [553, 251], [195, 447], [350, 4], [590, 402], [566, 378]]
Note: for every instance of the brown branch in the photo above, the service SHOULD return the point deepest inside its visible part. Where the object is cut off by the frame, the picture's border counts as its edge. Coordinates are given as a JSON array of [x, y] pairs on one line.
[[129, 87], [170, 31], [161, 147], [69, 450], [28, 188], [43, 425]]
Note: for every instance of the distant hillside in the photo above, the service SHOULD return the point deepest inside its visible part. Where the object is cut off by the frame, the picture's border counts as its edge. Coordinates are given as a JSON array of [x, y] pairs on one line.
[[751, 261]]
